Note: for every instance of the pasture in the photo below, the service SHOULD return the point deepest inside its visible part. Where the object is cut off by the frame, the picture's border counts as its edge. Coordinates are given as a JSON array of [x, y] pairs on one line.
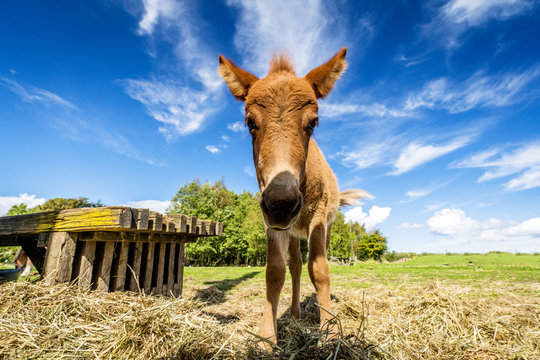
[[430, 307]]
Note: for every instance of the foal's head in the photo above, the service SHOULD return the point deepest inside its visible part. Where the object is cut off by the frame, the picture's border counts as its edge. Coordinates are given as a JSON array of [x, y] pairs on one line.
[[281, 115]]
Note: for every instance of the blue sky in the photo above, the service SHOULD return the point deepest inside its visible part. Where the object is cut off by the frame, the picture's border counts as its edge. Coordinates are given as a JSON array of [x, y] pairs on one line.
[[437, 116]]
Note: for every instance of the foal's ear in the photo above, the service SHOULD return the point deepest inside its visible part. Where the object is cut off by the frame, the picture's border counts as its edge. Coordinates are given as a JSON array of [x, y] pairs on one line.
[[322, 78], [239, 81]]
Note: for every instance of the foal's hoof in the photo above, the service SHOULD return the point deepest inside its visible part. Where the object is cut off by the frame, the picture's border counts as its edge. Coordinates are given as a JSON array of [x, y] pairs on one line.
[[295, 313], [265, 346]]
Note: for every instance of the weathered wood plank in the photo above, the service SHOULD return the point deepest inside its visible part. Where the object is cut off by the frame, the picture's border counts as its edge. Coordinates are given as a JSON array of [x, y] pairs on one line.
[[65, 264], [170, 278], [180, 222], [149, 268], [136, 268], [87, 262], [104, 273], [59, 257], [157, 221], [119, 280], [161, 269], [140, 219], [109, 218], [192, 223], [180, 277]]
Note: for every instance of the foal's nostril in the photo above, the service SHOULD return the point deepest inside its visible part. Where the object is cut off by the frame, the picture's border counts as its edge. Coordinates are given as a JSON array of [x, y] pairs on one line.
[[264, 205], [297, 209]]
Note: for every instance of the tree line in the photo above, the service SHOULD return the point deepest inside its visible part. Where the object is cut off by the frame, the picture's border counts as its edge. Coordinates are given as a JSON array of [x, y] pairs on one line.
[[244, 239]]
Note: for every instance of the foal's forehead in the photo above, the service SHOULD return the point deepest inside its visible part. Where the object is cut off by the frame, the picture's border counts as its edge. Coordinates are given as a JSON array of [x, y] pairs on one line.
[[280, 88]]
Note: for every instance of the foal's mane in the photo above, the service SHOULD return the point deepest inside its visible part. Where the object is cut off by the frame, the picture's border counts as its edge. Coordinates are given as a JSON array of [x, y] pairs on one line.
[[281, 62]]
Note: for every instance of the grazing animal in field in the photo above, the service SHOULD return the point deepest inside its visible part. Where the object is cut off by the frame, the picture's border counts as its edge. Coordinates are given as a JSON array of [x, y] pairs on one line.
[[300, 195], [22, 260]]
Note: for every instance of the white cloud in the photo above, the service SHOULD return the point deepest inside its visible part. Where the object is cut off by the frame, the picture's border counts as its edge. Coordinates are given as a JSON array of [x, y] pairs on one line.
[[478, 91], [457, 16], [6, 202], [33, 94], [464, 233], [418, 193], [154, 205], [213, 149], [236, 127], [377, 215], [225, 138], [265, 26], [433, 207], [406, 226], [522, 162], [184, 106], [332, 110], [181, 110], [250, 171], [415, 154]]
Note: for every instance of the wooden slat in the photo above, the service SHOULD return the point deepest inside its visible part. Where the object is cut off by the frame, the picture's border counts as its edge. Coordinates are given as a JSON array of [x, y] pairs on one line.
[[180, 278], [170, 279], [161, 269], [180, 222], [110, 218], [59, 257], [140, 219], [192, 223], [119, 280], [149, 268], [157, 220], [135, 274], [87, 262], [104, 273], [169, 224], [219, 229]]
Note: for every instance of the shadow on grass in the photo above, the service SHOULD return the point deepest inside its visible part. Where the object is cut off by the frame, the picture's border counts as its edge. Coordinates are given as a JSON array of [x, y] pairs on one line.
[[215, 293]]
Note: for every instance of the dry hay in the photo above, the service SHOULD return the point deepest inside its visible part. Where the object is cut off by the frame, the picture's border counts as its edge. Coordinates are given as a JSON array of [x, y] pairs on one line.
[[413, 322]]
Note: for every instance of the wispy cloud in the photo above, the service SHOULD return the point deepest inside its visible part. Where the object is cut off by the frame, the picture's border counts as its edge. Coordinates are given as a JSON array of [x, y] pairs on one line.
[[407, 226], [34, 94], [522, 162], [264, 26], [236, 126], [250, 171], [6, 202], [478, 91], [375, 109], [454, 18], [468, 234], [184, 106], [416, 154], [213, 149], [376, 216]]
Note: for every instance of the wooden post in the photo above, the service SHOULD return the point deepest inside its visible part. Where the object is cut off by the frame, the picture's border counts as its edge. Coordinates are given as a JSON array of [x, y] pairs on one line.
[[170, 278], [161, 269], [149, 267], [180, 278], [119, 280], [88, 255], [134, 273], [104, 272], [59, 257]]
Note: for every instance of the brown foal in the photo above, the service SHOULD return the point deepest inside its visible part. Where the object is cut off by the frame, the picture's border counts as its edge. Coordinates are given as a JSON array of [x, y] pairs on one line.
[[300, 194]]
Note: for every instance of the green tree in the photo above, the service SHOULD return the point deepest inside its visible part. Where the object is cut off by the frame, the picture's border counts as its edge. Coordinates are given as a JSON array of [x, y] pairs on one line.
[[372, 246], [18, 210]]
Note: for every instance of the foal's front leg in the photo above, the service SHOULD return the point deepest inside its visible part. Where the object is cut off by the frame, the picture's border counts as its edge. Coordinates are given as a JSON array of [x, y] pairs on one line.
[[276, 264], [320, 274]]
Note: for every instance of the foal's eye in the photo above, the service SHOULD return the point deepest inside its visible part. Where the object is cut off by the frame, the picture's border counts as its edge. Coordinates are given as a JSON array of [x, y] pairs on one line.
[[250, 123], [313, 123]]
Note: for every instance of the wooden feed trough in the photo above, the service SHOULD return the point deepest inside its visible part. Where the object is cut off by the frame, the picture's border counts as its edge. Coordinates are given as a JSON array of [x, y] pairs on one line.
[[108, 248]]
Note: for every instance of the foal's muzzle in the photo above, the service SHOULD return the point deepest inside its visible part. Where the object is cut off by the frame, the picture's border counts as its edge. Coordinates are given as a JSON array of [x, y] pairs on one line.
[[281, 201]]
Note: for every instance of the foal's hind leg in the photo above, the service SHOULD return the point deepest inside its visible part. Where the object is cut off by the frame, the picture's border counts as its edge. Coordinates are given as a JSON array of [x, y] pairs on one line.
[[295, 267], [320, 273]]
